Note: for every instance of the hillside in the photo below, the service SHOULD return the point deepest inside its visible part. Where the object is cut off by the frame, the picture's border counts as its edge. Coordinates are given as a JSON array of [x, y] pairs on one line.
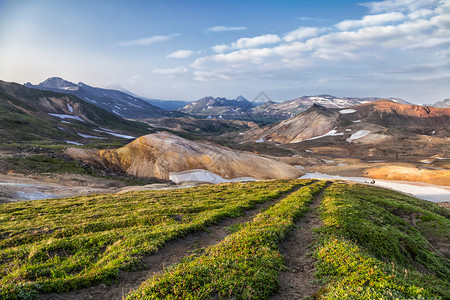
[[369, 243], [159, 154], [210, 107], [34, 116], [114, 101], [268, 112], [365, 123]]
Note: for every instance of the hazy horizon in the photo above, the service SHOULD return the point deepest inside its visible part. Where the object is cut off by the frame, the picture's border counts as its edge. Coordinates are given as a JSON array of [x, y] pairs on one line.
[[182, 50]]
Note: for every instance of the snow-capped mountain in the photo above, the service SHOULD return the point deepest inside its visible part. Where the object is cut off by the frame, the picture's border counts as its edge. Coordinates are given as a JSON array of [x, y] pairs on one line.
[[442, 104], [219, 107], [293, 107], [117, 102]]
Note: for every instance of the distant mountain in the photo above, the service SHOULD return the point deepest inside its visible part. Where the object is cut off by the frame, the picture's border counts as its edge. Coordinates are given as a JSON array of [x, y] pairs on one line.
[[373, 121], [211, 107], [269, 112], [441, 104], [293, 107], [167, 104], [38, 115], [114, 101]]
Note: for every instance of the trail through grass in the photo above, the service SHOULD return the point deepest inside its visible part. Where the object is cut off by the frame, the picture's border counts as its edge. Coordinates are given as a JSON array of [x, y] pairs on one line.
[[63, 244], [244, 265]]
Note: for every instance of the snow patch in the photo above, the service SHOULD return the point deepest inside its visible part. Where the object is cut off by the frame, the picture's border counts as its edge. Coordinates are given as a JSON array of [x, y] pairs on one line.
[[70, 108], [426, 161], [65, 122], [357, 135], [347, 111], [348, 130], [87, 136], [429, 192], [201, 175], [90, 100], [329, 133], [357, 121], [73, 143], [63, 116], [261, 140], [116, 134], [32, 195]]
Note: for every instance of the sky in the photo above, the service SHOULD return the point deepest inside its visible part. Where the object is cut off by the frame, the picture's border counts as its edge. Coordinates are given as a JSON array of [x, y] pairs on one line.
[[185, 50]]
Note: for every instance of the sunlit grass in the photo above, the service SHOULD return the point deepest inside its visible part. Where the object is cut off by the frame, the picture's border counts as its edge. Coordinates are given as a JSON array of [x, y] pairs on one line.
[[244, 265], [64, 244], [369, 250]]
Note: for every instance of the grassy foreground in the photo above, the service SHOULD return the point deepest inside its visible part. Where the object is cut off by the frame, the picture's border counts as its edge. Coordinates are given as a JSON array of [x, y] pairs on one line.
[[63, 244], [374, 243], [244, 265]]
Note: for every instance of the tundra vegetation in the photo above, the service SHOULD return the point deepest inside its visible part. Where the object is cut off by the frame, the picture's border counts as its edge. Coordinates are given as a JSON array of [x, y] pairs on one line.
[[372, 244]]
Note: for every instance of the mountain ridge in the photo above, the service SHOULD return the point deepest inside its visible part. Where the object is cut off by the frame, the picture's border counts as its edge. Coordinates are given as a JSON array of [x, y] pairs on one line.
[[114, 101]]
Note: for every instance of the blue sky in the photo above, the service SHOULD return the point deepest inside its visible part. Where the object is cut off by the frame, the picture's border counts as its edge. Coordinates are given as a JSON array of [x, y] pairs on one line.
[[190, 49]]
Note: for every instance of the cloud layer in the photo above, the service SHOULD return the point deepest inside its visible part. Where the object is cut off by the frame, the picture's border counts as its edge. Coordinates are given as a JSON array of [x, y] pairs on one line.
[[408, 33], [147, 41]]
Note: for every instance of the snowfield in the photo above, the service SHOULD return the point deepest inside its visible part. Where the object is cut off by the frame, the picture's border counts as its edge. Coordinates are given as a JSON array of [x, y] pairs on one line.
[[425, 191], [63, 116], [87, 136], [201, 175], [73, 143], [347, 111], [357, 135], [110, 132], [329, 133]]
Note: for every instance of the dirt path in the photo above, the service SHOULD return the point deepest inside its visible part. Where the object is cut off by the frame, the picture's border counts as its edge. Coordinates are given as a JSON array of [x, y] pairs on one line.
[[296, 280], [170, 254]]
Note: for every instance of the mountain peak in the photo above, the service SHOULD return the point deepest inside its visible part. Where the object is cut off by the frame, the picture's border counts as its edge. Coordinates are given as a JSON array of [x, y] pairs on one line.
[[58, 83]]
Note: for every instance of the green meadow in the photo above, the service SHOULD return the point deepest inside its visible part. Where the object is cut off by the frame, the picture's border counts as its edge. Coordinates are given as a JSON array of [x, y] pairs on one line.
[[372, 244]]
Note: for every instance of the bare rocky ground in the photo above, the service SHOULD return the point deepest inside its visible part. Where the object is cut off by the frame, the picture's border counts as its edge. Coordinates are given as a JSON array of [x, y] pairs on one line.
[[167, 256]]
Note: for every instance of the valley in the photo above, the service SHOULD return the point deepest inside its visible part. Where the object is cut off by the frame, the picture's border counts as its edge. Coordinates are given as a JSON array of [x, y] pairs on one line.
[[236, 201]]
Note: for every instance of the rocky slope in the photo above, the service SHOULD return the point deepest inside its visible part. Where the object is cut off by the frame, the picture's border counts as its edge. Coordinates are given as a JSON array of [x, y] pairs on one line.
[[441, 104], [159, 154], [270, 111], [36, 115], [370, 123], [114, 101], [293, 107], [211, 107]]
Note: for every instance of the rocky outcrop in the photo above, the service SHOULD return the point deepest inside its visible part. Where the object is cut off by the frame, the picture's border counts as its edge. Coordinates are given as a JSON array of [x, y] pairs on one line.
[[158, 154], [315, 121]]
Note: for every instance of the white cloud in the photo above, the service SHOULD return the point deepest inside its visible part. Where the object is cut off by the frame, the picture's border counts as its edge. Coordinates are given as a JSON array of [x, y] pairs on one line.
[[421, 13], [203, 76], [245, 43], [180, 54], [171, 71], [147, 41], [399, 5], [225, 28], [371, 20], [301, 33]]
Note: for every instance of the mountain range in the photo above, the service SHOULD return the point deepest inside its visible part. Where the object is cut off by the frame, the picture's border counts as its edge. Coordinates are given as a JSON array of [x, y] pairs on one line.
[[268, 112], [371, 119], [114, 101], [28, 115]]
